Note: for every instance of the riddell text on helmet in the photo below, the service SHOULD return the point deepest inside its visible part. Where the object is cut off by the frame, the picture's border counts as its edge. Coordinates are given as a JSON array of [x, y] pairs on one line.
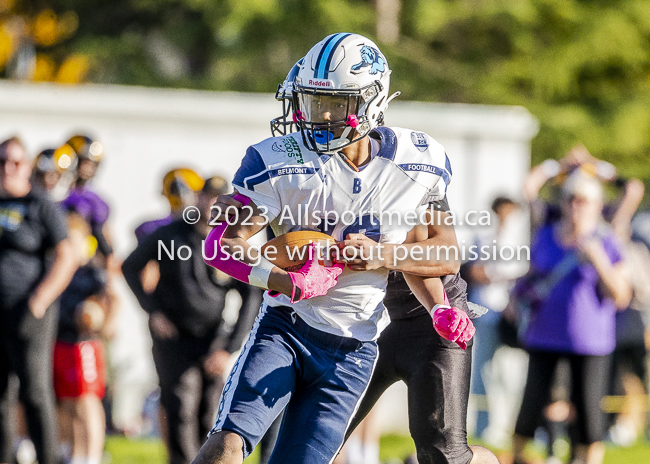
[[320, 83]]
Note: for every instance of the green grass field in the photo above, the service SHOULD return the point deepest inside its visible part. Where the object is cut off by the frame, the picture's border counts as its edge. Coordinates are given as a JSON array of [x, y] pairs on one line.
[[120, 450]]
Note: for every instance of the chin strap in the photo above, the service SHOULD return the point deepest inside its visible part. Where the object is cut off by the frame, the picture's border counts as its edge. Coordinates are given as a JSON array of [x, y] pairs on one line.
[[214, 255]]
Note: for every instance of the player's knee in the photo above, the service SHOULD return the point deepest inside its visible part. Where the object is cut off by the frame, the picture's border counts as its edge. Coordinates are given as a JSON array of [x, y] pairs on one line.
[[232, 444], [222, 446], [483, 456]]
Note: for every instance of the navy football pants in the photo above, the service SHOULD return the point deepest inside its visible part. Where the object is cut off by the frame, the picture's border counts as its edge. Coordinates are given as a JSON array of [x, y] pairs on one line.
[[319, 377]]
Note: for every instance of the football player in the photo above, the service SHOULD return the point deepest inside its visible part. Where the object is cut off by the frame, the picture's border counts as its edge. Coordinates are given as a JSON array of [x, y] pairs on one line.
[[83, 200], [180, 186], [436, 371], [313, 346], [50, 167]]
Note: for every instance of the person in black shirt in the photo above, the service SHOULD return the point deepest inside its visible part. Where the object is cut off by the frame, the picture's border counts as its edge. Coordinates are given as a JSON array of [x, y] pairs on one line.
[[191, 343], [36, 264]]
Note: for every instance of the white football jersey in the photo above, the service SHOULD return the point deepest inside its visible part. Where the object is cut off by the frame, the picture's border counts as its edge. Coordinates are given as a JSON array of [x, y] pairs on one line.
[[302, 190]]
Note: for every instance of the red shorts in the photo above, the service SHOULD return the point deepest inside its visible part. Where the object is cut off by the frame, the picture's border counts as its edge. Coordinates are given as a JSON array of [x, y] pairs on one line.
[[79, 369]]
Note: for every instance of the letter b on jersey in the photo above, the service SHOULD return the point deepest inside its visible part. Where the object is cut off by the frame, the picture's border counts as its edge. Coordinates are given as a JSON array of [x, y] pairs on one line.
[[356, 187]]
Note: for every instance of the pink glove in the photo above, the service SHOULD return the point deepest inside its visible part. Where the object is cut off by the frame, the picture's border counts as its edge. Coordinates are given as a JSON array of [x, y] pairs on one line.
[[313, 279], [453, 324]]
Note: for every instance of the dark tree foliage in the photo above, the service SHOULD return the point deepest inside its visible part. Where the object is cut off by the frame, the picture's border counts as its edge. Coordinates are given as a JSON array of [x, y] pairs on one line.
[[580, 66]]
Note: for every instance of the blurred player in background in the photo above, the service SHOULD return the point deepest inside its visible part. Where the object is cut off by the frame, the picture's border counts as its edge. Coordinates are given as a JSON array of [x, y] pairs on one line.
[[313, 346], [191, 342], [51, 166], [87, 312], [82, 199], [36, 264], [180, 186]]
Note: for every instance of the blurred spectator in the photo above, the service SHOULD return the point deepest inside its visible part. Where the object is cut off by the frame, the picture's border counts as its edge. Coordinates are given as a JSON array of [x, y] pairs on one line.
[[576, 282], [191, 343], [578, 158], [86, 312], [36, 264], [180, 186], [489, 285], [630, 356]]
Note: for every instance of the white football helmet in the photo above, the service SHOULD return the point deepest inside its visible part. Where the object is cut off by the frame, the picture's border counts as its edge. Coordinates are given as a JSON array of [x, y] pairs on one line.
[[283, 125], [341, 91]]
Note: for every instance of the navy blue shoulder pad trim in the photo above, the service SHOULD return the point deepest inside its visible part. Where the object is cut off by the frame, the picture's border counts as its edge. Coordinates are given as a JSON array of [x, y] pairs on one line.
[[388, 143], [252, 170]]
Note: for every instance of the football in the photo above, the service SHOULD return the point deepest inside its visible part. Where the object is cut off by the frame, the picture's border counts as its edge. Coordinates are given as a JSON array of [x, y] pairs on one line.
[[290, 251]]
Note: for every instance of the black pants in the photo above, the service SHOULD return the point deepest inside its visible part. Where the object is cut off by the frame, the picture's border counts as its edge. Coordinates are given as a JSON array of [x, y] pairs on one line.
[[189, 396], [589, 380], [26, 349], [437, 373]]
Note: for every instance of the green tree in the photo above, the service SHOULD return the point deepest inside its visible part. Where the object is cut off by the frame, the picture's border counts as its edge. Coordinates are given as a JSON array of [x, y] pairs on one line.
[[581, 66]]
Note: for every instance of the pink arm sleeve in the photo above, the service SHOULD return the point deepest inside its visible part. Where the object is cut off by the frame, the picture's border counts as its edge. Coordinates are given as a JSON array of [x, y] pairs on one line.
[[219, 258]]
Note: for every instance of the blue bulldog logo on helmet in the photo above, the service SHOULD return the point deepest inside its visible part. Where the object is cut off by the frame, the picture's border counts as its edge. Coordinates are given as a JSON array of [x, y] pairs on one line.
[[370, 57]]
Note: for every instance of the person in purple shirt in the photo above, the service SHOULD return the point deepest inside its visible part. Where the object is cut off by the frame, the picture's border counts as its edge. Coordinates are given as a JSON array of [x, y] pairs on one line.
[[180, 186], [579, 283], [81, 199]]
